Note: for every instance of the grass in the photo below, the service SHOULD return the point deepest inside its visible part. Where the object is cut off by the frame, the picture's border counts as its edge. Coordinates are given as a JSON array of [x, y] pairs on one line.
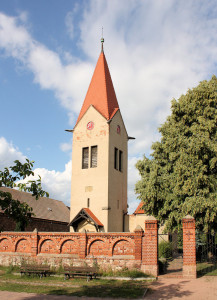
[[100, 288], [207, 269], [79, 287], [125, 273]]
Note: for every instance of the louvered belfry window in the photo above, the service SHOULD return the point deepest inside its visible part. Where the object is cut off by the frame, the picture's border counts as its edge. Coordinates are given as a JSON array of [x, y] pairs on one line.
[[85, 157], [93, 157]]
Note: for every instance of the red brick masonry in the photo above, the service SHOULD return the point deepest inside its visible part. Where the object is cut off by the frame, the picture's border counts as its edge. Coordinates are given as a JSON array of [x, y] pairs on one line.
[[108, 250], [189, 247]]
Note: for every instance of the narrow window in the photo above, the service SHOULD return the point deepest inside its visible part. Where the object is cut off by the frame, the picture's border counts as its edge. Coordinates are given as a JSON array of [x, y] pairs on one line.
[[93, 157], [85, 157], [120, 161], [88, 202], [116, 159]]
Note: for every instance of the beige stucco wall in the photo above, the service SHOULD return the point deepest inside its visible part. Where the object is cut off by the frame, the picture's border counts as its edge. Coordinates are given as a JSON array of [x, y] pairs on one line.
[[90, 183], [103, 185], [139, 219], [117, 187], [135, 220], [87, 226]]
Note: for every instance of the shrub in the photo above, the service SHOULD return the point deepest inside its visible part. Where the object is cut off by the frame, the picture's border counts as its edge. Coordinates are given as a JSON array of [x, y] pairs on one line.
[[10, 269], [162, 263], [165, 249]]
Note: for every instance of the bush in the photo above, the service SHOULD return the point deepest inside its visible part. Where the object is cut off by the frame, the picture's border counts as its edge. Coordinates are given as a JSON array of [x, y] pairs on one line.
[[162, 263], [10, 269], [165, 250]]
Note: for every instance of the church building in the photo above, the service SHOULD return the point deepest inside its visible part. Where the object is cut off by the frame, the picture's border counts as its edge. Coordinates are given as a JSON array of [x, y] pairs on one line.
[[99, 162], [99, 159]]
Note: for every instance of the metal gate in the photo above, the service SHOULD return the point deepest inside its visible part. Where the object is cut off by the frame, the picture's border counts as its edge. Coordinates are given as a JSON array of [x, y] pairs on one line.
[[206, 252], [170, 253]]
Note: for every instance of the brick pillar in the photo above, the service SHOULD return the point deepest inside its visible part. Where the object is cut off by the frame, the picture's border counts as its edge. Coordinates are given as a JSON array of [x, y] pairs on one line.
[[150, 247], [83, 245], [138, 242], [34, 243], [189, 247]]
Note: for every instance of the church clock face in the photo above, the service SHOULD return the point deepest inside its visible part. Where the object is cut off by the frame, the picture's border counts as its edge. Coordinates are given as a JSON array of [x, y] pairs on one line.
[[90, 125]]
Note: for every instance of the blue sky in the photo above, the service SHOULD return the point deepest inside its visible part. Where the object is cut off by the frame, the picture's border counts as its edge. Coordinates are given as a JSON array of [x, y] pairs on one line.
[[155, 50]]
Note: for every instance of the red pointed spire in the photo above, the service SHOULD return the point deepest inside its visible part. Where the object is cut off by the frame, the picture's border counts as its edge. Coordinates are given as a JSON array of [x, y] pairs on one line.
[[101, 93]]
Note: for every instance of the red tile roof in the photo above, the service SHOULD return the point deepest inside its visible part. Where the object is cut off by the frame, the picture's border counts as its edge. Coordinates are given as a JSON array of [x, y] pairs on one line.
[[93, 217], [101, 93], [139, 209]]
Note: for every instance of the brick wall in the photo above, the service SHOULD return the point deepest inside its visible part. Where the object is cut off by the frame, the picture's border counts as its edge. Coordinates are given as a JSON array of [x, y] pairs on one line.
[[41, 225], [150, 247], [108, 250], [189, 247]]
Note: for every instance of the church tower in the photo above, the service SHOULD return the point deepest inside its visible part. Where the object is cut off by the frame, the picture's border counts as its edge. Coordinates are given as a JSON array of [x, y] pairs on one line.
[[99, 159]]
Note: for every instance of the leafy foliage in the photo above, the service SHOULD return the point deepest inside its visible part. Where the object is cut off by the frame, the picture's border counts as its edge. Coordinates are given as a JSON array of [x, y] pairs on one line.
[[181, 176], [13, 208], [165, 249]]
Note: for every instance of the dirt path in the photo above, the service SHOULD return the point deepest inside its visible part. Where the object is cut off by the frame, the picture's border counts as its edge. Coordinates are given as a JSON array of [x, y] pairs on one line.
[[204, 288]]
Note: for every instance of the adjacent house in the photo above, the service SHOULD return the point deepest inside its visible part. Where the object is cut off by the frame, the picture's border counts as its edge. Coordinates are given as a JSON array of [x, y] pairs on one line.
[[49, 214]]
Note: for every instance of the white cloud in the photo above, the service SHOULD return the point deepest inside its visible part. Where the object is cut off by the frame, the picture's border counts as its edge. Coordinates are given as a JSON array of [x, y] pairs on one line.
[[57, 184], [66, 147], [9, 153], [133, 177], [46, 65], [69, 24], [156, 50]]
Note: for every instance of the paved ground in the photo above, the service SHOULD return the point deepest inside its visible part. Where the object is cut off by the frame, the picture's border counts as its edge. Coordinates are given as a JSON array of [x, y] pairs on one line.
[[204, 288]]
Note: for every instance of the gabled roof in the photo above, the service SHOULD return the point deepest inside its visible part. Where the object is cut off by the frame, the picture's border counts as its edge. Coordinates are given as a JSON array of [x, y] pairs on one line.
[[93, 217], [85, 213], [43, 208], [139, 209], [101, 93]]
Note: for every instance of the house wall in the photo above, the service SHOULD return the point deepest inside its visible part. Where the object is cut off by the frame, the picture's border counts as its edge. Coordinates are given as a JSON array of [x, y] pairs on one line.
[[41, 225], [139, 219]]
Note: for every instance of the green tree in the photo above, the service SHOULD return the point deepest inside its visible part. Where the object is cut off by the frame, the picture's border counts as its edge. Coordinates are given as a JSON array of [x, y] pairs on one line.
[[181, 176], [13, 208]]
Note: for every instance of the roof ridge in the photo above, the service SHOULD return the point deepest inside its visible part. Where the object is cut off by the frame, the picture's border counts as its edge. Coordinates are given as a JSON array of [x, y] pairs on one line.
[[106, 87]]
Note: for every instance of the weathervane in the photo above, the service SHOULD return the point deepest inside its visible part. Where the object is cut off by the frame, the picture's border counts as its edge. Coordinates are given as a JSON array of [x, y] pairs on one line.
[[102, 39]]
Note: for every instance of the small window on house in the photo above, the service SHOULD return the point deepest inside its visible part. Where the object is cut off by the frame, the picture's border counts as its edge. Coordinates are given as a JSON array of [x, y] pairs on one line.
[[120, 161], [116, 159], [93, 157], [88, 202], [85, 157]]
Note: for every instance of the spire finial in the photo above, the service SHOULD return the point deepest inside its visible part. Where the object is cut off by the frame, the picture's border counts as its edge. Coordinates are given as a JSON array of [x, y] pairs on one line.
[[102, 40]]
